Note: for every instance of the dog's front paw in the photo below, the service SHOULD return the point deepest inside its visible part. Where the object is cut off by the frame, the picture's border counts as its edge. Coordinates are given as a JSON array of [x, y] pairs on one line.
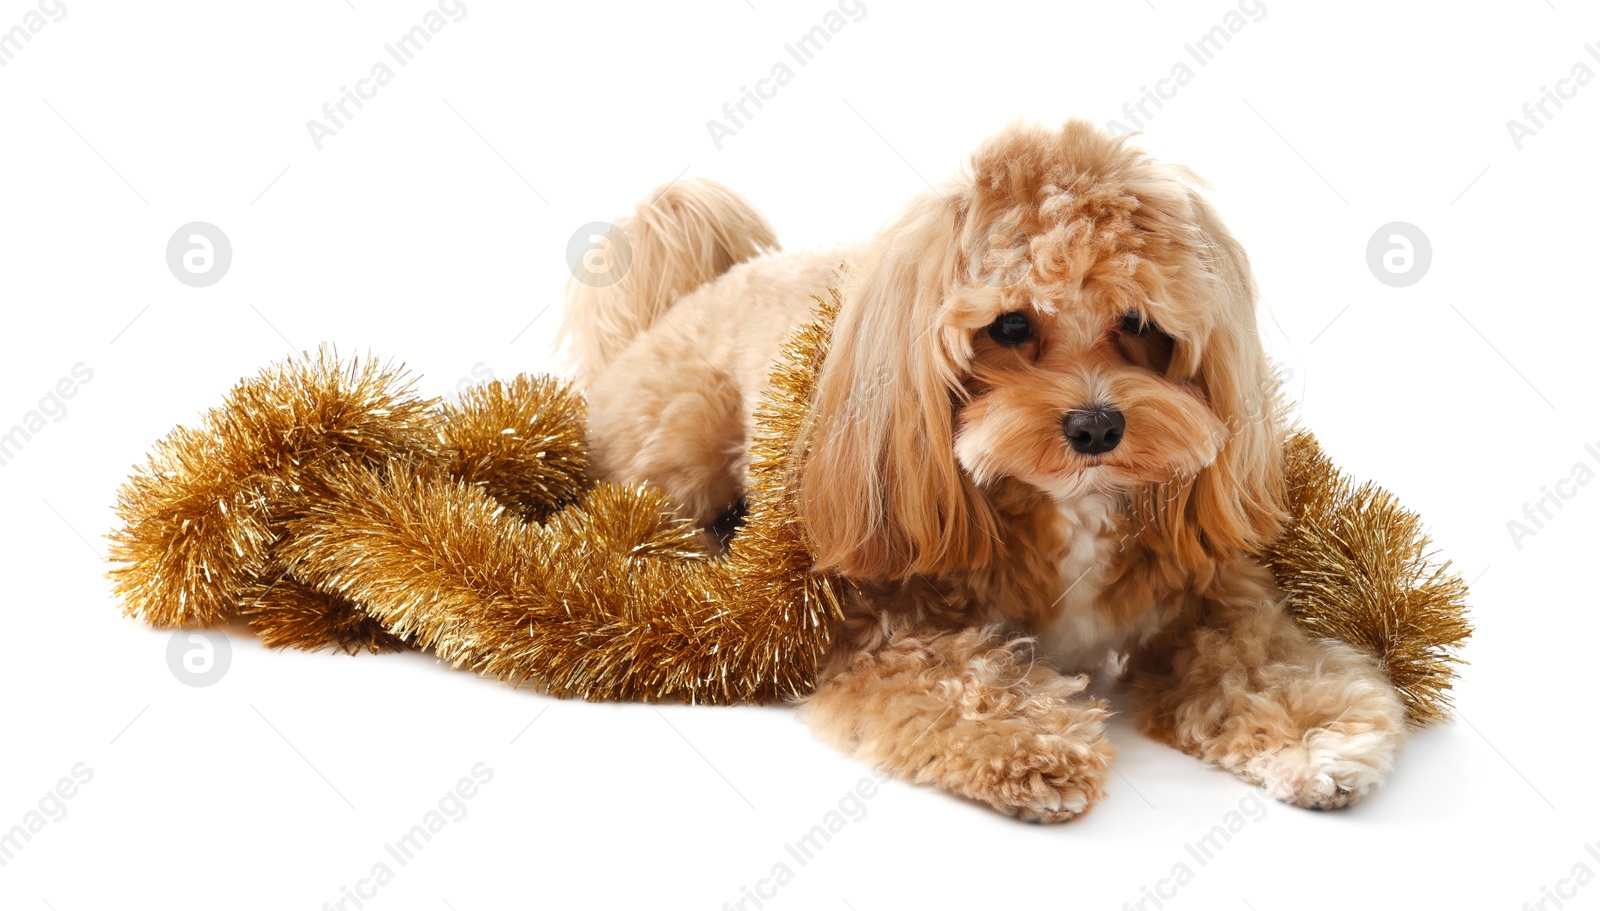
[[1326, 769], [1043, 779]]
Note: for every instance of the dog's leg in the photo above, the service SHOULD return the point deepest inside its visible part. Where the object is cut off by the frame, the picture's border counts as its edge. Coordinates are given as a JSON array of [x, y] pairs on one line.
[[1238, 683], [682, 430], [967, 712]]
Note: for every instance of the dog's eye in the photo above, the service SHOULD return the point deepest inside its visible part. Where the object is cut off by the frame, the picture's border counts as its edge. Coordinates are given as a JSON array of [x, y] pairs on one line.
[[1134, 324], [1011, 328]]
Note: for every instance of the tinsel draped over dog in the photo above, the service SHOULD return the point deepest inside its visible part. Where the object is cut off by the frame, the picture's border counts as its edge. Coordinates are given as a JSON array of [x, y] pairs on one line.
[[326, 503]]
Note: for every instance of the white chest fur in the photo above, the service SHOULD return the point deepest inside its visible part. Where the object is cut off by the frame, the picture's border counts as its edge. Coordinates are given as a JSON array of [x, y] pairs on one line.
[[1077, 635]]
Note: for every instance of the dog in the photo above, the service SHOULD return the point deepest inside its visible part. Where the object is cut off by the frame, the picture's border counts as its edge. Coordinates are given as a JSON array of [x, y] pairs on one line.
[[1045, 442]]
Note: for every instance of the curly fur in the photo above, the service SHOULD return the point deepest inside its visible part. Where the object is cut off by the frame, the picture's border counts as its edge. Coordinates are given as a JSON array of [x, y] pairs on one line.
[[993, 560]]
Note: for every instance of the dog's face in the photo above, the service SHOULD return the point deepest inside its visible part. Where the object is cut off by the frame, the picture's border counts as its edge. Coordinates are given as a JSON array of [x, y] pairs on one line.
[[1072, 317], [1069, 386]]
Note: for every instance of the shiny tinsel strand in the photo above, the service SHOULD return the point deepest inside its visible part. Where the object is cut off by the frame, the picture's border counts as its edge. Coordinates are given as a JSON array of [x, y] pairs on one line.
[[288, 614], [521, 441], [1358, 566], [202, 516]]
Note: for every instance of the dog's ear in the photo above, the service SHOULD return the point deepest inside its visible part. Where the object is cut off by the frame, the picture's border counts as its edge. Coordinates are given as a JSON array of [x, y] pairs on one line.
[[1237, 502], [880, 493]]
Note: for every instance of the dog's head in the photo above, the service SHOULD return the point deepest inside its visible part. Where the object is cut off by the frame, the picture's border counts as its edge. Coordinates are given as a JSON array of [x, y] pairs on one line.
[[1071, 317]]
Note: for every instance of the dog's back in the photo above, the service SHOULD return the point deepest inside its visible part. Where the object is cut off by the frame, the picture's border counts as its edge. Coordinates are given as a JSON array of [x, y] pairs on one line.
[[673, 346]]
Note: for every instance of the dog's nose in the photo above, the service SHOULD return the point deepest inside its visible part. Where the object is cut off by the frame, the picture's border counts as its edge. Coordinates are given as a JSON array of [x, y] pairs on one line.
[[1094, 430]]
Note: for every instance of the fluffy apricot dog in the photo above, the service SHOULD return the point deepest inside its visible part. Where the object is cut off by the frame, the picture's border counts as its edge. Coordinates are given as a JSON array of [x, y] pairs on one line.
[[1045, 443]]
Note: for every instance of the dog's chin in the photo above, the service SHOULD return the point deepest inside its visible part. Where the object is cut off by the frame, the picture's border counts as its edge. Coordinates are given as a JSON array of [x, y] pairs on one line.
[[1096, 477], [1083, 476]]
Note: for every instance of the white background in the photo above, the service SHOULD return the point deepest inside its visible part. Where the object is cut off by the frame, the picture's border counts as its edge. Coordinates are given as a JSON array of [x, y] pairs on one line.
[[432, 229]]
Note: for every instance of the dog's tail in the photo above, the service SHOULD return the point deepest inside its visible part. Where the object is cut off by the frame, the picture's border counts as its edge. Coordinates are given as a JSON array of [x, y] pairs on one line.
[[680, 237]]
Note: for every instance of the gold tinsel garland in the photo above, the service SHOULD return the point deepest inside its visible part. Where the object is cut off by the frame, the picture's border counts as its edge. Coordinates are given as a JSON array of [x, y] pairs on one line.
[[326, 503], [1357, 566]]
